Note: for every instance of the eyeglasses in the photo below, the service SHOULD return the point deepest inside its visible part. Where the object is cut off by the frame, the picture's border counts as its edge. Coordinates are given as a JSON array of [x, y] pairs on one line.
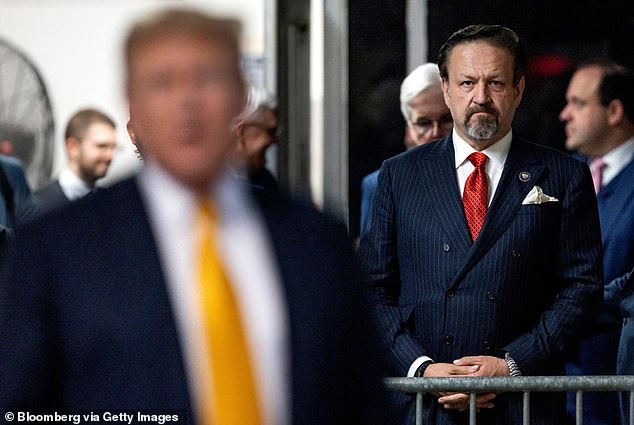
[[425, 125]]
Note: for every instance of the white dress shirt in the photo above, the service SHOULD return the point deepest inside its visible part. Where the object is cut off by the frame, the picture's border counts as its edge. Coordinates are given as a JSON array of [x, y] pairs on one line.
[[72, 186], [497, 154], [616, 160], [250, 265]]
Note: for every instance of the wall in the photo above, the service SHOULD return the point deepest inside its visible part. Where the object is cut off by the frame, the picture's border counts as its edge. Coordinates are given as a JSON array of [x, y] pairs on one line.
[[75, 44]]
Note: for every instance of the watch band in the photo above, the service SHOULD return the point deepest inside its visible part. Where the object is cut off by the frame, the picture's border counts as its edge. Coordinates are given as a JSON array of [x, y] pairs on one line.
[[421, 369], [514, 370]]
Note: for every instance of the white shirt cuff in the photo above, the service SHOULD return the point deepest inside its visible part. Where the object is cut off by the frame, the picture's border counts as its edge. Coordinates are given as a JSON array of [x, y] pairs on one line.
[[414, 367]]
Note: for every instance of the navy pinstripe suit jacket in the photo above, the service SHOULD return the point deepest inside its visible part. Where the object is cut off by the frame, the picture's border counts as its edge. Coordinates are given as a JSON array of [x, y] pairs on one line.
[[527, 285]]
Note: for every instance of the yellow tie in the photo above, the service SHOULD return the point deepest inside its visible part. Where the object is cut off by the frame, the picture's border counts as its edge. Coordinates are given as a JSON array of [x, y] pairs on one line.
[[233, 399]]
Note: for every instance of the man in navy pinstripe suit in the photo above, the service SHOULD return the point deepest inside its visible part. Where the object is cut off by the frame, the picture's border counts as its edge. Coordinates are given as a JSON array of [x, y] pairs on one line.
[[508, 297]]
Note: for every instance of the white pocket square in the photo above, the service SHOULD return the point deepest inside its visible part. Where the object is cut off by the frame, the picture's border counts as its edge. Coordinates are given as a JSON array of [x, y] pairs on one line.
[[537, 196]]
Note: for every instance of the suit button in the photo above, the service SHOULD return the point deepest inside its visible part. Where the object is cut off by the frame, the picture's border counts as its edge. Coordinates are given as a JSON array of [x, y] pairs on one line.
[[448, 340], [446, 247], [491, 296], [516, 254], [487, 346], [451, 293]]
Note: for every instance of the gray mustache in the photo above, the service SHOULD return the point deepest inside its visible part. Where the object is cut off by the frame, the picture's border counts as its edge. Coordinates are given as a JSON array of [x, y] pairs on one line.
[[475, 109]]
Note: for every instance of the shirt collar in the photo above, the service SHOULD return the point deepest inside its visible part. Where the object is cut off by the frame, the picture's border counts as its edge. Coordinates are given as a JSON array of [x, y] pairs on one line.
[[228, 194], [620, 156], [72, 186], [497, 153]]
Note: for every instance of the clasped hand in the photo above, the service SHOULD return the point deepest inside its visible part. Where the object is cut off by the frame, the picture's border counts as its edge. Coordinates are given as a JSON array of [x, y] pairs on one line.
[[467, 366]]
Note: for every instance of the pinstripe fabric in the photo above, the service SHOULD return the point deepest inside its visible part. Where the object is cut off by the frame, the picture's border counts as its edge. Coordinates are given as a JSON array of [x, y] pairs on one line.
[[527, 285]]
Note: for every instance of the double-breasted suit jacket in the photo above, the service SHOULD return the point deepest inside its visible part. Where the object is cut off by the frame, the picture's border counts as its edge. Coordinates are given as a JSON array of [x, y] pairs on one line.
[[527, 285]]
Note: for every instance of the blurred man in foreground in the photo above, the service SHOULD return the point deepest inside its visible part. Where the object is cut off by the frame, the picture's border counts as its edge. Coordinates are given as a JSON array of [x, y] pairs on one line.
[[183, 288]]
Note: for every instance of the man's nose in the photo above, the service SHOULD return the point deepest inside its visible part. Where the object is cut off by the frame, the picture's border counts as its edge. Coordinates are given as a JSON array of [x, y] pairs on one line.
[[482, 95], [564, 115]]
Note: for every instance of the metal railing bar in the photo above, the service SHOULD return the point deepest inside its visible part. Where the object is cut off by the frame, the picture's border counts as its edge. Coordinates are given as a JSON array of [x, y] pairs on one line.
[[419, 409], [631, 407], [513, 384], [579, 405], [472, 409], [524, 384], [526, 407]]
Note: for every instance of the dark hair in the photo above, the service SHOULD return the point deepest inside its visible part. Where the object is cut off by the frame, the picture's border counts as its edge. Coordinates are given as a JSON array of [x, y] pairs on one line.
[[497, 35], [84, 118], [617, 82]]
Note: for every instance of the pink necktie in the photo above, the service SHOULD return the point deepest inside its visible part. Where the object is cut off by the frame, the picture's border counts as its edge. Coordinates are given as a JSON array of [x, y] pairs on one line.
[[596, 168], [475, 194]]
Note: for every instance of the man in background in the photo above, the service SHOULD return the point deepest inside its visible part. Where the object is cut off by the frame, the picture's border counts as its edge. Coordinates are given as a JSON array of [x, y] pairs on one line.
[[257, 131], [90, 142], [599, 117], [427, 118], [183, 289]]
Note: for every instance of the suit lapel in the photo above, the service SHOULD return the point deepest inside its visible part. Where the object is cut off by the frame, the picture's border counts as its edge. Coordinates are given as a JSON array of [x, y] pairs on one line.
[[438, 171], [612, 198], [521, 172]]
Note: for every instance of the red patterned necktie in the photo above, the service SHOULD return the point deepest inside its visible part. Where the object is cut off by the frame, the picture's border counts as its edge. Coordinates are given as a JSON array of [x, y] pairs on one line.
[[475, 194]]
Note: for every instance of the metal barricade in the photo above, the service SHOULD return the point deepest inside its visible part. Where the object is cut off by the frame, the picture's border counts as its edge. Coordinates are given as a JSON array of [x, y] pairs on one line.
[[523, 384]]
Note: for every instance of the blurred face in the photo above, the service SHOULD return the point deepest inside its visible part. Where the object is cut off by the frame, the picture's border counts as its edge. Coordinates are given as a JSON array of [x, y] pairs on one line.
[[184, 93], [430, 118], [90, 157], [257, 135], [586, 119], [480, 92]]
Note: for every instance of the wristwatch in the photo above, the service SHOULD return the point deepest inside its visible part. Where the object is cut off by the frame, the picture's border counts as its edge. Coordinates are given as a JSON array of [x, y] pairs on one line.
[[421, 369], [514, 370]]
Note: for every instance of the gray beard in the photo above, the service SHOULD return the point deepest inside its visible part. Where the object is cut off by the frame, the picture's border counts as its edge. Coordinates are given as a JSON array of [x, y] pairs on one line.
[[484, 129]]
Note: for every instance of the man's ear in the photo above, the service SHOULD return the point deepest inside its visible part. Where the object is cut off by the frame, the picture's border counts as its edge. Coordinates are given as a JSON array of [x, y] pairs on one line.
[[239, 126], [238, 130], [444, 85], [72, 146], [615, 111]]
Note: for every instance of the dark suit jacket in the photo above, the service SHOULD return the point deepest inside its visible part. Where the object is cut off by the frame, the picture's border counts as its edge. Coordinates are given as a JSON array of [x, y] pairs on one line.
[[49, 198], [21, 191], [622, 288], [625, 285], [616, 209], [597, 354], [368, 190], [527, 285], [86, 322]]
